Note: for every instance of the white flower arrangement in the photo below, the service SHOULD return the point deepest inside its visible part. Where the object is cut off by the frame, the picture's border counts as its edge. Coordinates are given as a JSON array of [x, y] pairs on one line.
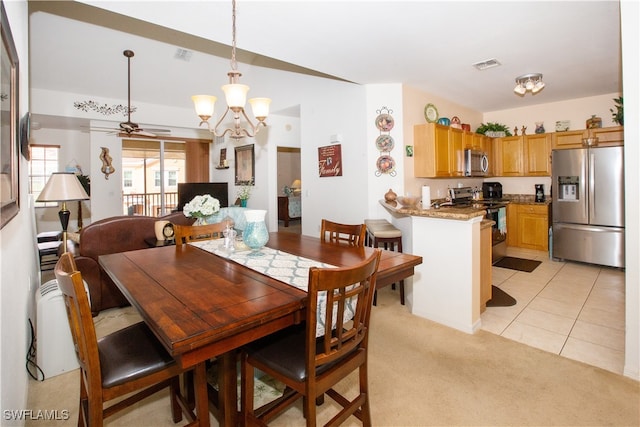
[[201, 207], [244, 192]]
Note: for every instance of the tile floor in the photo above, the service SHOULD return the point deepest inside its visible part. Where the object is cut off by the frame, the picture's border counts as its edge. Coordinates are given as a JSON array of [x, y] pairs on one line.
[[572, 309]]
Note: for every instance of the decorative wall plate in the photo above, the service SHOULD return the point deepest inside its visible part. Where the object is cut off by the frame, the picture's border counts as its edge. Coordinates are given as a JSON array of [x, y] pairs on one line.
[[384, 122], [385, 143], [385, 164], [431, 113]]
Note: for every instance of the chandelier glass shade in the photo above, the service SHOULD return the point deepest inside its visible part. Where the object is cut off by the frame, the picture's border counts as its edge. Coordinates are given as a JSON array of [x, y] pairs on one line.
[[236, 98], [529, 83]]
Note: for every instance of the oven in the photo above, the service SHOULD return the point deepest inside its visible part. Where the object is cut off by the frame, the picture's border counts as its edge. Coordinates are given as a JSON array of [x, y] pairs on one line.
[[497, 212]]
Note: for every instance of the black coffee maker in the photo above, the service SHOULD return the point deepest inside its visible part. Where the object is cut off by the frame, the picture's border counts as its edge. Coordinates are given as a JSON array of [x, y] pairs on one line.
[[539, 193]]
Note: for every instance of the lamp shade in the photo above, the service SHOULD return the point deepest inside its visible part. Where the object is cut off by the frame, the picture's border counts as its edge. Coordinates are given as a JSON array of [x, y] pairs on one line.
[[297, 184], [236, 94], [260, 107], [62, 187], [204, 105]]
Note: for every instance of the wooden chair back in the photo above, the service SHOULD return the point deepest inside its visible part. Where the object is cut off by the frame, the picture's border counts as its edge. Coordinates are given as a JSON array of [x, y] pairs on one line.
[[148, 369], [343, 234], [190, 233], [344, 289], [80, 321], [311, 371]]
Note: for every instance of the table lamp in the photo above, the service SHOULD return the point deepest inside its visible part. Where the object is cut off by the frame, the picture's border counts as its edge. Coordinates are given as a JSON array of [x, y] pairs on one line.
[[297, 187], [63, 187]]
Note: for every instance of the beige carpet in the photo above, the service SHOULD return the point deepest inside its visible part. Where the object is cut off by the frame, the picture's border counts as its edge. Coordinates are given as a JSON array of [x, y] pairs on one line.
[[425, 374]]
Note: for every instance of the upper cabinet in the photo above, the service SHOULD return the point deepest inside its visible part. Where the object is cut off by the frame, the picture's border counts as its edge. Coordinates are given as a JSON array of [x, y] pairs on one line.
[[527, 155], [438, 151], [608, 136], [537, 155]]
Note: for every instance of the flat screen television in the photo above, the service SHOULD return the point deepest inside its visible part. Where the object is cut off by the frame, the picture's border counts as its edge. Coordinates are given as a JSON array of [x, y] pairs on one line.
[[188, 190]]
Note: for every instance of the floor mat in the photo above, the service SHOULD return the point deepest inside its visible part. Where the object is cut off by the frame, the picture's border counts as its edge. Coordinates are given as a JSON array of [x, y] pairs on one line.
[[520, 264], [500, 298]]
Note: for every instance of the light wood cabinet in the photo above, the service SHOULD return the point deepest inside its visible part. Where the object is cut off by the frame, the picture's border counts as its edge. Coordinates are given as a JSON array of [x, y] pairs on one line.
[[528, 226], [456, 151], [485, 264], [430, 150], [525, 155], [568, 139], [537, 155], [609, 136], [509, 153], [438, 151]]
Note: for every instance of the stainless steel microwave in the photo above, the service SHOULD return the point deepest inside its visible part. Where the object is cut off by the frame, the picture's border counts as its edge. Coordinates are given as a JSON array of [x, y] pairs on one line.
[[476, 163]]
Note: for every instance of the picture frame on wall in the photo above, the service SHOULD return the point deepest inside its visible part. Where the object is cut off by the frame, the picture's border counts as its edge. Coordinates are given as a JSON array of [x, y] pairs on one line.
[[10, 122], [245, 165]]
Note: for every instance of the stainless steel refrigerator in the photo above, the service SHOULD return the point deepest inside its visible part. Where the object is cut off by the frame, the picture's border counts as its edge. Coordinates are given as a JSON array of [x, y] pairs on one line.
[[588, 205]]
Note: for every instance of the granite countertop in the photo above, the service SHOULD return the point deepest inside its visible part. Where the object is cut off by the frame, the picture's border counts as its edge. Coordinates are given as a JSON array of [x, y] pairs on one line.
[[526, 199], [445, 212]]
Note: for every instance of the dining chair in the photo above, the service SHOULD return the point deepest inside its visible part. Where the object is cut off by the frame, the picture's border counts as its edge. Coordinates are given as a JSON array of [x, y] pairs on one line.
[[191, 233], [128, 360], [349, 234], [311, 366]]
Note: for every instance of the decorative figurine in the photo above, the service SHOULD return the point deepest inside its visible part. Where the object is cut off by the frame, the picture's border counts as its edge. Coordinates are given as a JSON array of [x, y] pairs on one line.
[[107, 168], [515, 131], [539, 127], [524, 130]]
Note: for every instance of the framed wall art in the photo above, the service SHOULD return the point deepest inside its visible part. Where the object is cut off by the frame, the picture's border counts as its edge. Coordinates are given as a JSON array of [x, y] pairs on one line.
[[9, 149], [330, 160], [245, 165]]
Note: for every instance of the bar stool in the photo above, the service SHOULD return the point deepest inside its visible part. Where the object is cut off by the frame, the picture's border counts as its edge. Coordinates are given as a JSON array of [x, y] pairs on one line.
[[381, 232]]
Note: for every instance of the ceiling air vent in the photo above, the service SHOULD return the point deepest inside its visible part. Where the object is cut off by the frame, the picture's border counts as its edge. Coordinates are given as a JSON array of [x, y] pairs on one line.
[[489, 63], [183, 54]]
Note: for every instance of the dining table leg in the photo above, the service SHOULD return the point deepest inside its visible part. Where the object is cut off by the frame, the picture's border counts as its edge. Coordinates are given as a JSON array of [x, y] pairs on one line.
[[227, 386], [202, 400]]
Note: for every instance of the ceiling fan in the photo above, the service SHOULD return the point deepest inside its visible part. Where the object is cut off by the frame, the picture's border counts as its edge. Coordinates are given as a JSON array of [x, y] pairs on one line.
[[129, 127]]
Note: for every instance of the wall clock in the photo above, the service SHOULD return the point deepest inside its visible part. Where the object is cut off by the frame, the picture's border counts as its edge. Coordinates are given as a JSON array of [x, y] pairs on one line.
[[431, 113]]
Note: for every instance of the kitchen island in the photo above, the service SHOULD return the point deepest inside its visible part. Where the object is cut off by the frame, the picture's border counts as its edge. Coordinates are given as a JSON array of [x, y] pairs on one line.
[[446, 286]]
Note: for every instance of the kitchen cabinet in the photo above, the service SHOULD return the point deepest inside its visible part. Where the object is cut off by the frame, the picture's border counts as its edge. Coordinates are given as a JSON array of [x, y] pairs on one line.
[[537, 155], [438, 151], [456, 151], [485, 264], [509, 152], [609, 136], [528, 226], [525, 155]]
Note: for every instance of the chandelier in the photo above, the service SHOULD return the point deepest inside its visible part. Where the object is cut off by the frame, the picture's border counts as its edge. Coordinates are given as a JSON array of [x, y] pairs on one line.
[[236, 96], [529, 82]]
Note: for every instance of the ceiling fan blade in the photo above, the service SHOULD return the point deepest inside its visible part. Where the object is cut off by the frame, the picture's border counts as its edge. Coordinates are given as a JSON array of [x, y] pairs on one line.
[[157, 130], [144, 133]]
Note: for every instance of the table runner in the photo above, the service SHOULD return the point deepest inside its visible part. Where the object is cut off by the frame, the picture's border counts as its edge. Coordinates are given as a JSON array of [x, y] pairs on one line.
[[283, 266]]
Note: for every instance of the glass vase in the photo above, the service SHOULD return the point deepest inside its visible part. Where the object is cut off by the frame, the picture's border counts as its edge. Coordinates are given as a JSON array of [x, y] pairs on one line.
[[255, 234], [200, 221]]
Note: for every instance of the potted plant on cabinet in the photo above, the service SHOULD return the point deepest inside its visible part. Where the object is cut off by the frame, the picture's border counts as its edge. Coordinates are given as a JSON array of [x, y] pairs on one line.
[[494, 130]]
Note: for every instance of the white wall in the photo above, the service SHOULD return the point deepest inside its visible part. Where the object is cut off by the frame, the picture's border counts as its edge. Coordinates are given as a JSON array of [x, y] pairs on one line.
[[630, 13], [19, 272], [577, 111]]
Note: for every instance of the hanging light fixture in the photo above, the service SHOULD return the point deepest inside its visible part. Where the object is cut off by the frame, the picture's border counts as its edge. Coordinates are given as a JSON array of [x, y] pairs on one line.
[[236, 96], [529, 82]]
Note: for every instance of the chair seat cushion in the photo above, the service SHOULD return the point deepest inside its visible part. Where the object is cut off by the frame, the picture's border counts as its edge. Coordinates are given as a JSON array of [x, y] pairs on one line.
[[130, 353], [382, 228], [284, 352]]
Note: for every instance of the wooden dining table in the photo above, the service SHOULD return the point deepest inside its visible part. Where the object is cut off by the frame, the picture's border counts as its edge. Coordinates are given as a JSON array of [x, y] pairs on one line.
[[201, 305]]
